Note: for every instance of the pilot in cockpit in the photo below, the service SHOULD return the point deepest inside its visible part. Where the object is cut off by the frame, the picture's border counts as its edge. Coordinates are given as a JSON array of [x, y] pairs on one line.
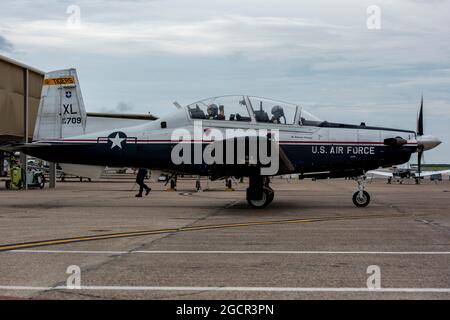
[[221, 115], [212, 111], [277, 114]]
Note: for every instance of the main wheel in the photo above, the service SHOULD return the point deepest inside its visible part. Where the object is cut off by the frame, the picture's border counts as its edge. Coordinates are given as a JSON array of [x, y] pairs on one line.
[[361, 201], [266, 199]]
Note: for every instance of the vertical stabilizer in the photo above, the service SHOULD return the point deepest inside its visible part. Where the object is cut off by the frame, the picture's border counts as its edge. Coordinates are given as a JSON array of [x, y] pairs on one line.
[[61, 110]]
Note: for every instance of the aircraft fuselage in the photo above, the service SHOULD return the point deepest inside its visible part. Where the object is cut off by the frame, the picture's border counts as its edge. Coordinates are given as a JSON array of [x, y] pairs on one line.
[[310, 149]]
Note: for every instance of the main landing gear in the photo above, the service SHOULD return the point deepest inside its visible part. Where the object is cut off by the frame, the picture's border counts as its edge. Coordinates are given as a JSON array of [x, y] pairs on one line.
[[259, 193], [361, 198]]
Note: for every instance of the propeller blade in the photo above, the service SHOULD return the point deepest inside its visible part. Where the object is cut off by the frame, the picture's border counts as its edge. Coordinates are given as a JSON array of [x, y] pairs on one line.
[[420, 119]]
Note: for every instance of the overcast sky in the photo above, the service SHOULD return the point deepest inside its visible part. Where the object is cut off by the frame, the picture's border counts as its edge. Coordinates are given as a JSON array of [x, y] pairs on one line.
[[140, 56]]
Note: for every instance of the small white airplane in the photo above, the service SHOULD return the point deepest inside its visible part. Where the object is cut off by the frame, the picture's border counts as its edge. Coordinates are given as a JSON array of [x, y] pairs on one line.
[[405, 171], [240, 136]]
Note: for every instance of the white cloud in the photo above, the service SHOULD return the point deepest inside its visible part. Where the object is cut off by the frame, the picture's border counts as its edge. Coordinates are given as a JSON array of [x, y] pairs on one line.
[[121, 107], [5, 45], [222, 35], [333, 44]]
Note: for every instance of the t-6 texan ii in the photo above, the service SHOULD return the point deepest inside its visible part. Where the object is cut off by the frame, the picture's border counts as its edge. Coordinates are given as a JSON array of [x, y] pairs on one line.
[[241, 136]]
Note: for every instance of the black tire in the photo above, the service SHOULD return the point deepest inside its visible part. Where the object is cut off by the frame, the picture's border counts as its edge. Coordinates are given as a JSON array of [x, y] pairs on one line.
[[268, 196], [8, 184], [361, 202], [41, 182], [197, 185]]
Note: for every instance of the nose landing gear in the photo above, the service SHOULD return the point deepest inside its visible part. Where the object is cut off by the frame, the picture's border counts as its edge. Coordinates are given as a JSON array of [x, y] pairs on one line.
[[361, 198]]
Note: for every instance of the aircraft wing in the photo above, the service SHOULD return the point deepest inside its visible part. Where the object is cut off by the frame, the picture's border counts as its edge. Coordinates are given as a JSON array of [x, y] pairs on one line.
[[431, 173], [381, 173], [285, 166]]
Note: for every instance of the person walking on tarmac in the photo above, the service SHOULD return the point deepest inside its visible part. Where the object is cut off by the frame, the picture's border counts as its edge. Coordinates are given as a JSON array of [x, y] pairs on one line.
[[140, 177]]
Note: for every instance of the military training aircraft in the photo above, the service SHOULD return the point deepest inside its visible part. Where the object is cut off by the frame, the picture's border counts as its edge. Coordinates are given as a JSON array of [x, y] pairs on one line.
[[241, 136]]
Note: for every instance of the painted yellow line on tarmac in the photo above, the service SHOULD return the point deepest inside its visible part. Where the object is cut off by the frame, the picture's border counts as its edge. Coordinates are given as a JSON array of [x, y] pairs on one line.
[[27, 245]]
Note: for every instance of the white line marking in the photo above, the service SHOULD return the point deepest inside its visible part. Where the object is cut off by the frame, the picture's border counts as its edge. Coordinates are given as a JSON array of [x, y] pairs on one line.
[[234, 252], [229, 289]]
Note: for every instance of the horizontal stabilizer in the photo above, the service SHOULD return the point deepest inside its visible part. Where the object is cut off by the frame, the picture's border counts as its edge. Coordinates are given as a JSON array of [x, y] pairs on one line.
[[21, 146]]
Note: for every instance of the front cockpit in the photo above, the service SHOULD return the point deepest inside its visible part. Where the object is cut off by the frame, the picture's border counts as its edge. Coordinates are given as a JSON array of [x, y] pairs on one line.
[[230, 108], [250, 109]]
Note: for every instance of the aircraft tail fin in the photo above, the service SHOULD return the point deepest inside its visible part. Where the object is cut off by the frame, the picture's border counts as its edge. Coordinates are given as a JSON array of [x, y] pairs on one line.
[[61, 110], [405, 166]]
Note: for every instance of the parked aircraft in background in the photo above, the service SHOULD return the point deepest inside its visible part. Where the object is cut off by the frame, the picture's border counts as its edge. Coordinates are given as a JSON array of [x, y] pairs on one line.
[[405, 171]]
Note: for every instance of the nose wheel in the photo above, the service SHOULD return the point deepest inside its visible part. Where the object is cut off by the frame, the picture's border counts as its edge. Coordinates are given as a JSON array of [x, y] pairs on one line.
[[361, 198]]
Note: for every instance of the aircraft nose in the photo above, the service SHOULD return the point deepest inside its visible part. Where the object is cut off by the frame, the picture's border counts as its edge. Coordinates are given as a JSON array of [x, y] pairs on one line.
[[428, 142]]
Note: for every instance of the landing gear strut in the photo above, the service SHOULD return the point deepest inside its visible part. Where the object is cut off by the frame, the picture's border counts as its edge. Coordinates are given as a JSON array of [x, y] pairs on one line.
[[361, 198], [259, 193]]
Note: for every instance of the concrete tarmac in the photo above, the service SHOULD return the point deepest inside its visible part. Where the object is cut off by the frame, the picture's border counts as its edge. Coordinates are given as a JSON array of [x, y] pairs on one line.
[[310, 243]]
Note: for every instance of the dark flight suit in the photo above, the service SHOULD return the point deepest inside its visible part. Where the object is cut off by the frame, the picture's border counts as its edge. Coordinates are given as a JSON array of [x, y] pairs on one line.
[[140, 177]]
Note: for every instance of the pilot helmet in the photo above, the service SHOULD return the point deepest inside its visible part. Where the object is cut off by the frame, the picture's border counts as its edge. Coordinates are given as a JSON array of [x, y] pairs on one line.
[[213, 110], [277, 112]]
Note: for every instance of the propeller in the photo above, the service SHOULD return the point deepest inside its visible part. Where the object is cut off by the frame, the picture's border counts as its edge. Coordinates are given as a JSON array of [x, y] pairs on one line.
[[420, 119], [420, 148], [424, 142]]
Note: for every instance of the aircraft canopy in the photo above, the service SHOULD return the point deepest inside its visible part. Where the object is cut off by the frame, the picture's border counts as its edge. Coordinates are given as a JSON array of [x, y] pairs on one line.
[[249, 108]]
